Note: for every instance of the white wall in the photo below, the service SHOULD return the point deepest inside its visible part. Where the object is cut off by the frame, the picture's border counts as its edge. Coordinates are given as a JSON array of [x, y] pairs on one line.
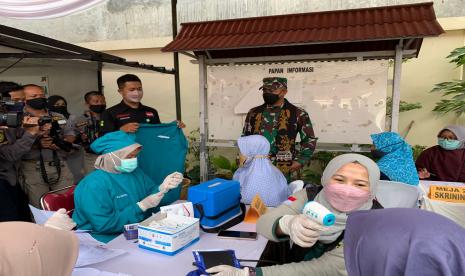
[[70, 79], [159, 88]]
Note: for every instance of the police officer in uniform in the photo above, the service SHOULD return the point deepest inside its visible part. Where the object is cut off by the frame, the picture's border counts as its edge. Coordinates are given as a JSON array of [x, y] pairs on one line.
[[128, 114], [14, 144], [87, 126], [280, 122], [44, 168]]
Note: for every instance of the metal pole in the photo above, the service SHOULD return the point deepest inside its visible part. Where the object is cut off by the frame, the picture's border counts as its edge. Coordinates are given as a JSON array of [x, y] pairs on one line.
[[396, 88], [99, 77], [203, 116], [177, 86]]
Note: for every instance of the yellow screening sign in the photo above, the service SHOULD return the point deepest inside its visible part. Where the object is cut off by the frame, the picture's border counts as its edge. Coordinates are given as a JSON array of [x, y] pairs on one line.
[[447, 193]]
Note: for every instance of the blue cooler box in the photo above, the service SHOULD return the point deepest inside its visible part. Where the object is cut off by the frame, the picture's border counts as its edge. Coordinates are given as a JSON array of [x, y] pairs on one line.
[[220, 200]]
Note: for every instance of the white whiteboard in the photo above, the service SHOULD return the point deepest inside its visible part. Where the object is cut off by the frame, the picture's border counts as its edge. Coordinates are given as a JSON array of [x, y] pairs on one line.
[[346, 100]]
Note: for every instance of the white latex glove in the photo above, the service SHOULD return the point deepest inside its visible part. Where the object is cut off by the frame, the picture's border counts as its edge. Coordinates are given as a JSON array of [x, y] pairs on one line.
[[60, 220], [227, 270], [151, 201], [296, 186], [301, 230], [171, 181]]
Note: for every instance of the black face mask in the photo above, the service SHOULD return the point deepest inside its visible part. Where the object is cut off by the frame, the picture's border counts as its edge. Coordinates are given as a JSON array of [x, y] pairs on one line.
[[270, 98], [37, 103], [59, 109], [377, 154], [97, 108]]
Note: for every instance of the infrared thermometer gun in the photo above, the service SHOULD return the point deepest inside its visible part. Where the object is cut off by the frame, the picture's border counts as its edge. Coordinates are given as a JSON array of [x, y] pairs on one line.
[[319, 213]]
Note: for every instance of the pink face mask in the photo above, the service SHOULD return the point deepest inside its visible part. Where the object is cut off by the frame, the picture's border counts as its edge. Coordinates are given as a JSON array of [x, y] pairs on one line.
[[345, 198]]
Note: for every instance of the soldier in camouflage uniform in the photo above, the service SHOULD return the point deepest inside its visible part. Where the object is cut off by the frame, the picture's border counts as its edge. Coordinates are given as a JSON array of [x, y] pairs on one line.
[[280, 122]]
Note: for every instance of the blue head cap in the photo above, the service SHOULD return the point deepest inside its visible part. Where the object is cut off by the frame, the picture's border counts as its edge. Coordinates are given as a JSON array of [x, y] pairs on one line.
[[113, 141]]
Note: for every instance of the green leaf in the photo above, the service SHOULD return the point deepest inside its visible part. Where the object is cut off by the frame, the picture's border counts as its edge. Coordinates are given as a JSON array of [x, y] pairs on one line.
[[417, 150], [403, 106], [446, 106], [221, 162], [457, 56], [223, 173], [194, 174], [233, 167]]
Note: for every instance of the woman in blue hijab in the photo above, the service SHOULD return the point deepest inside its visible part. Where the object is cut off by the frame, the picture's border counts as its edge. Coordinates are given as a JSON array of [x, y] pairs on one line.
[[396, 158], [257, 175], [407, 242]]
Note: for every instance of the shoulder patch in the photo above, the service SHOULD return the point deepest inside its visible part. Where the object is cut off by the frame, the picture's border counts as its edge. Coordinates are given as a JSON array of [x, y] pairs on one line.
[[2, 136]]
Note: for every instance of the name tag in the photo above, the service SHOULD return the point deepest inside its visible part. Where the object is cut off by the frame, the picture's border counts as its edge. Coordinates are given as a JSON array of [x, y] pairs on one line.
[[82, 124], [121, 196], [124, 116]]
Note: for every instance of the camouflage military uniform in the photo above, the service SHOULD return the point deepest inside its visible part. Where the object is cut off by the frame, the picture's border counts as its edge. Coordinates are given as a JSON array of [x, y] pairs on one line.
[[273, 120], [280, 125]]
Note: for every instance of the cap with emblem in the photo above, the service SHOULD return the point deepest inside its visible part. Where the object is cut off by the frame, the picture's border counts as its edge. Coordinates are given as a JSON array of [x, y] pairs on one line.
[[273, 83]]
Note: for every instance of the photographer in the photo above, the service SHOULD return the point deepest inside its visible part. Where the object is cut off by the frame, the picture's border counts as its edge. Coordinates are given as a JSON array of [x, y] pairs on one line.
[[15, 142], [88, 125], [74, 160], [43, 165]]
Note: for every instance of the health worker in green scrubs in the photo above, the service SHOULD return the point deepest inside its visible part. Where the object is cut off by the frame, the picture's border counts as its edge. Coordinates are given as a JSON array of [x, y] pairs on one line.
[[118, 192]]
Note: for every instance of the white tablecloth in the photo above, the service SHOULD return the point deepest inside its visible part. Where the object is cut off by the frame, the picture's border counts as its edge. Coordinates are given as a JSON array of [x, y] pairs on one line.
[[138, 262]]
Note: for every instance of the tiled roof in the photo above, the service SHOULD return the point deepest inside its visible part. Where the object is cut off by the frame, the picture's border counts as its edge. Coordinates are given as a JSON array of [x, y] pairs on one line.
[[341, 27]]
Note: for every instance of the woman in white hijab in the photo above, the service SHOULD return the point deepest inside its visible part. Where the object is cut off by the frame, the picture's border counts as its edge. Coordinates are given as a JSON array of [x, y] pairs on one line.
[[257, 175], [349, 183]]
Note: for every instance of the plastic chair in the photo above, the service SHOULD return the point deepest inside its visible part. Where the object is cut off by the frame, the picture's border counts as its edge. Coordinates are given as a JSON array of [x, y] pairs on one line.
[[61, 198], [393, 194]]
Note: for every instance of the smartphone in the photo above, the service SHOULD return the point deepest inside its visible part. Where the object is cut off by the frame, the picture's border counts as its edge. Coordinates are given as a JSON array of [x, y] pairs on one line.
[[206, 259], [224, 234]]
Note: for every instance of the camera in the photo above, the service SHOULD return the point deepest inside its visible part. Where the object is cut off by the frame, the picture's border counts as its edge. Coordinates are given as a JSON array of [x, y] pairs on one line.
[[11, 113], [55, 133], [45, 120]]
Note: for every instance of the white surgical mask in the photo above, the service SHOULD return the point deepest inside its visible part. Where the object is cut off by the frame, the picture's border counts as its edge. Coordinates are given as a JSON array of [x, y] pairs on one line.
[[127, 165], [135, 95]]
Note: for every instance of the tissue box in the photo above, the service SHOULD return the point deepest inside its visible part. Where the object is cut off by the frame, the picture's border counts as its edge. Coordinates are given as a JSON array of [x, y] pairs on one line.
[[175, 234], [220, 200]]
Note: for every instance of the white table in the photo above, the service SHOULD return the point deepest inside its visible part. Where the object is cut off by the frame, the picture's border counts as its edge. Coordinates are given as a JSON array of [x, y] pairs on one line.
[[138, 262]]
